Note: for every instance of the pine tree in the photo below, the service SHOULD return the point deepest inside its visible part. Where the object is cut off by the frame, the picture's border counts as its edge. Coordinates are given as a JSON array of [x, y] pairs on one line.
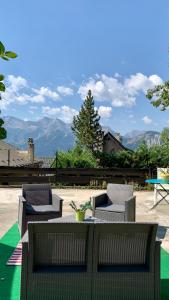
[[86, 126]]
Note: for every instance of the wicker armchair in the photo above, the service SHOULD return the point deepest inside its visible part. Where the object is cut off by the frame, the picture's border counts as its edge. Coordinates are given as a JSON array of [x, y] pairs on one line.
[[126, 262], [58, 264], [117, 204], [37, 204]]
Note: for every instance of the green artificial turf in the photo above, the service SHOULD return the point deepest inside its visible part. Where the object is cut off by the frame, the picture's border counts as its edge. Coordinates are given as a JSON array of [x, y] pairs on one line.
[[10, 275]]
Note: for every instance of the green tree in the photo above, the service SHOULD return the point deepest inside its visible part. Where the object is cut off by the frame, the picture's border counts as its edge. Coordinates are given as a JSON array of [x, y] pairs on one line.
[[159, 96], [86, 126], [75, 158], [164, 136], [6, 55]]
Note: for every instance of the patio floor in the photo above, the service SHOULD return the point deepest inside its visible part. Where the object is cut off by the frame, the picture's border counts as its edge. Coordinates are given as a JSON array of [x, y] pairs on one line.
[[144, 202]]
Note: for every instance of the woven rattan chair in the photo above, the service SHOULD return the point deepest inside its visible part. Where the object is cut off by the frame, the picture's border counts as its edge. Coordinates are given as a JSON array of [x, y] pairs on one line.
[[117, 204], [126, 262], [58, 264], [37, 204], [90, 261]]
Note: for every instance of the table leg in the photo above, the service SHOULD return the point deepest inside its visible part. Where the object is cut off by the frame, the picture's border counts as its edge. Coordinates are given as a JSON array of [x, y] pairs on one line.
[[162, 197]]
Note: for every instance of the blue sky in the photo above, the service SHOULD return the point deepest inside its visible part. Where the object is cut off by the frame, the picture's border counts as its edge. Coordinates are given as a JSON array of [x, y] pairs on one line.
[[116, 48]]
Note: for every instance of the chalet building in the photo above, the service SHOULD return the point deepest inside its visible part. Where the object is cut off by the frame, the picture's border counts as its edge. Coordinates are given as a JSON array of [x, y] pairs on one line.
[[11, 156], [112, 142]]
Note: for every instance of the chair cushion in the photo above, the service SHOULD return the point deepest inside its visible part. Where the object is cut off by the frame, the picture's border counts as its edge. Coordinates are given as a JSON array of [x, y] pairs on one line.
[[40, 209], [112, 207], [37, 197]]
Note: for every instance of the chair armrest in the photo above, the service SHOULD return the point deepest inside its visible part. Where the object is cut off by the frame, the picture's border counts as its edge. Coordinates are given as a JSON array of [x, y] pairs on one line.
[[132, 199], [157, 269], [21, 214], [22, 199], [130, 209], [57, 202], [25, 237], [99, 200], [24, 269]]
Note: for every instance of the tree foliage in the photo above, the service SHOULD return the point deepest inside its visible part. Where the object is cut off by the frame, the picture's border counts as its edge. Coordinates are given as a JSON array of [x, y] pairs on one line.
[[5, 55], [86, 126], [164, 136], [159, 96], [77, 157], [142, 157]]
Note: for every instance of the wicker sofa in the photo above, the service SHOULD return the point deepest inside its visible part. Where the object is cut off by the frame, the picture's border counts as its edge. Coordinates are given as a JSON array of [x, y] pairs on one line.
[[37, 204], [117, 204], [90, 261]]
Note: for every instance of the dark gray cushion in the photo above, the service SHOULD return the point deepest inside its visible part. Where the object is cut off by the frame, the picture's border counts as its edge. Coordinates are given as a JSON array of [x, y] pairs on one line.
[[112, 207], [40, 209], [37, 197]]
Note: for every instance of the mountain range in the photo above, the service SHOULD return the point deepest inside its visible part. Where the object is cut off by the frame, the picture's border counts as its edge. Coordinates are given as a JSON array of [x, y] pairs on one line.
[[53, 134]]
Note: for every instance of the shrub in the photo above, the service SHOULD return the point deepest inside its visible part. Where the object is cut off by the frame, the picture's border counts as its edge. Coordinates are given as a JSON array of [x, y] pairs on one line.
[[75, 158]]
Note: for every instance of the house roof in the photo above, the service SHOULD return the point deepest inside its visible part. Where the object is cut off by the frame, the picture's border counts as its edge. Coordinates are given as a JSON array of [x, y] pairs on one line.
[[10, 155], [115, 139]]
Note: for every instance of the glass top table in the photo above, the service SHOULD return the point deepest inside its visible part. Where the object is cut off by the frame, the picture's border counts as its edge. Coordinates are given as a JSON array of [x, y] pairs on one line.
[[72, 219], [160, 187]]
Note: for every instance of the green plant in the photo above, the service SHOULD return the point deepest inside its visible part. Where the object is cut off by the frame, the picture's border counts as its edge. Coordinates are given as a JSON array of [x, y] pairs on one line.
[[6, 55], [82, 207]]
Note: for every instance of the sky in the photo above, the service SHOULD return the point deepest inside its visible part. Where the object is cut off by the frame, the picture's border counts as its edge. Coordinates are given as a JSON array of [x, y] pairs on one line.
[[116, 48]]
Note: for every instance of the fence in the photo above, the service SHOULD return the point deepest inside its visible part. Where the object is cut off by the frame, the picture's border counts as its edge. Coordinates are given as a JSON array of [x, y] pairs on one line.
[[19, 175]]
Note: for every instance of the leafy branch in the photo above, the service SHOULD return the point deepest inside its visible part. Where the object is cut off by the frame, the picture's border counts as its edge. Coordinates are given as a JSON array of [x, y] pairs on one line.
[[5, 55]]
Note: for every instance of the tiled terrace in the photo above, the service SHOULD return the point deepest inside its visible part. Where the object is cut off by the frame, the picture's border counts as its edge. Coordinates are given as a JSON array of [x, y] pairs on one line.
[[144, 202]]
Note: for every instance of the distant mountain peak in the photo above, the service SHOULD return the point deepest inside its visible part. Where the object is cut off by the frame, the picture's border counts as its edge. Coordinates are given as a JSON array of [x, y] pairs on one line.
[[51, 134]]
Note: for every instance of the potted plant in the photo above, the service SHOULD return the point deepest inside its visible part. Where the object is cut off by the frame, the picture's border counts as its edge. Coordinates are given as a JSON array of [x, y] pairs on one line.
[[80, 211]]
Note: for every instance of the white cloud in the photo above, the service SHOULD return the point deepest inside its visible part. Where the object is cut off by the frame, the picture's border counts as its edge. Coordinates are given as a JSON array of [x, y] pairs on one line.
[[18, 91], [65, 113], [16, 83], [147, 120], [105, 111], [117, 91], [140, 82], [46, 92], [65, 91]]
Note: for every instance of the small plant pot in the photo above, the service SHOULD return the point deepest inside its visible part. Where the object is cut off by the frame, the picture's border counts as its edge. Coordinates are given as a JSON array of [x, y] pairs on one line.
[[165, 177], [80, 216]]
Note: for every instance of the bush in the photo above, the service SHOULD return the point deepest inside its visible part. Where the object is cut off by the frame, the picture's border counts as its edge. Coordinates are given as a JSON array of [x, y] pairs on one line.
[[75, 158], [143, 157]]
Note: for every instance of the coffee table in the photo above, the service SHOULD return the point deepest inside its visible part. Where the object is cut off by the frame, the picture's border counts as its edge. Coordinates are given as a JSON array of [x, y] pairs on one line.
[[72, 219]]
